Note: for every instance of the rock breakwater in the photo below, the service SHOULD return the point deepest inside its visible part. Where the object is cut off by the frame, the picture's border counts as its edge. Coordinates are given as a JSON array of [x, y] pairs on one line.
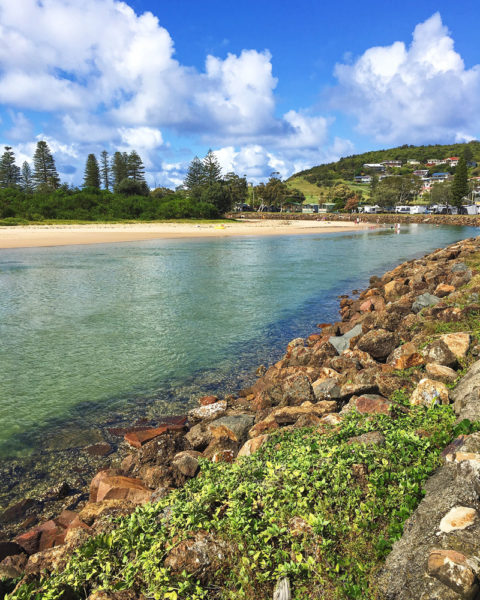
[[458, 220], [414, 331]]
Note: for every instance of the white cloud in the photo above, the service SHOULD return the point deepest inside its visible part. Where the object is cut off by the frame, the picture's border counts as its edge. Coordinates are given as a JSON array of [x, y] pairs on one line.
[[22, 127], [421, 93], [121, 87]]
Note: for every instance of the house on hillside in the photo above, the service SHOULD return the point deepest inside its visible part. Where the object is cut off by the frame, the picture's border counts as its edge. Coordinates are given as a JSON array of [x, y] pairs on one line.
[[472, 163], [392, 163], [440, 177], [452, 161], [363, 179], [432, 162], [421, 172], [374, 167]]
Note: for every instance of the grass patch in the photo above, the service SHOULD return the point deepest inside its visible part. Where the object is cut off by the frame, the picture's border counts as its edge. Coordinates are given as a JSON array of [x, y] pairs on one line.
[[351, 520]]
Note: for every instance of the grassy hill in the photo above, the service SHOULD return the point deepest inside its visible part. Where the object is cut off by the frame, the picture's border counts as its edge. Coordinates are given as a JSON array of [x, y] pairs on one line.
[[318, 181]]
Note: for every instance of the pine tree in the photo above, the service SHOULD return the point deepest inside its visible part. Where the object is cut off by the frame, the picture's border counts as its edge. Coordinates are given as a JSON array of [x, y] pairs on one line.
[[105, 169], [9, 172], [92, 173], [211, 168], [195, 175], [135, 168], [119, 167], [26, 178], [44, 171], [460, 183]]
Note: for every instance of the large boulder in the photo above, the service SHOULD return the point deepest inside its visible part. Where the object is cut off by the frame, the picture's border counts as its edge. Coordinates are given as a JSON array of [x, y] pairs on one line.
[[208, 412], [379, 343], [441, 373], [424, 301], [118, 487], [429, 392], [252, 445], [187, 462], [405, 356], [455, 571], [342, 342], [457, 343], [234, 427], [466, 396]]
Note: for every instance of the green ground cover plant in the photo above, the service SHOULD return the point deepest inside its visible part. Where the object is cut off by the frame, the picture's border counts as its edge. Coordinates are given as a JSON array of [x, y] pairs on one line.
[[311, 505]]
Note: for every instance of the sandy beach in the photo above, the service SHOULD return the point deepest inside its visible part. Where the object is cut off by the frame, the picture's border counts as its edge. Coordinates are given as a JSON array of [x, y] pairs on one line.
[[101, 233]]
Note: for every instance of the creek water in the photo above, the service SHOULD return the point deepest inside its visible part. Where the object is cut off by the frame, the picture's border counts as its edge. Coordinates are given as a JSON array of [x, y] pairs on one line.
[[101, 333]]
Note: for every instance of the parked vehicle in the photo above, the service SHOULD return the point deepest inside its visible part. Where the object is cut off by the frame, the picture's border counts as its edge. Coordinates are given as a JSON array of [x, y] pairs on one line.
[[418, 210], [403, 210], [372, 210], [469, 209], [442, 209]]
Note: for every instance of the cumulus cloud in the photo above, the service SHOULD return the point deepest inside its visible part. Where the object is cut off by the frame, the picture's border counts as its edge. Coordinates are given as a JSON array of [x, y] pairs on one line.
[[121, 87], [420, 93]]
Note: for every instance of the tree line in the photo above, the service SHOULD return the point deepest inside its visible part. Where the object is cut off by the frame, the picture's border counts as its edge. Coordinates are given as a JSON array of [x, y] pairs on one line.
[[113, 188]]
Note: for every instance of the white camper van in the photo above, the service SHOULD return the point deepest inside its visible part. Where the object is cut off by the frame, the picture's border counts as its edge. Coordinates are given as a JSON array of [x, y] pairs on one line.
[[418, 210]]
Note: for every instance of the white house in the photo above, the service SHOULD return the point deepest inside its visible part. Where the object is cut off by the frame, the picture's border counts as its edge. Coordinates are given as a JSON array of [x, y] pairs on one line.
[[374, 167], [392, 163]]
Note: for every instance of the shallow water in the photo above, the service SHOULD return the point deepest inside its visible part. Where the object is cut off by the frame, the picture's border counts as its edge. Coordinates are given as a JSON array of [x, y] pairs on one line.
[[91, 334]]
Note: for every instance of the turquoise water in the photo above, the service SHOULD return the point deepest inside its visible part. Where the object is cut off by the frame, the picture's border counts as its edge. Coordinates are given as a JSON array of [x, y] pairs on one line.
[[92, 333]]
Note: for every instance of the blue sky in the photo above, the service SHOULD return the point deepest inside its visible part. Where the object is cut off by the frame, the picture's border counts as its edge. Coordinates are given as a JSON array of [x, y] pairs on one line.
[[269, 86]]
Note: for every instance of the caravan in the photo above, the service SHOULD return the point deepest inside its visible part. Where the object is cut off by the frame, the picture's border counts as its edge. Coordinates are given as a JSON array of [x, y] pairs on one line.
[[418, 210]]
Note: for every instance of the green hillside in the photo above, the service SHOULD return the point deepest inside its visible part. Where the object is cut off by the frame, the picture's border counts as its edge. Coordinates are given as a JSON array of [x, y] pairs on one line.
[[325, 176]]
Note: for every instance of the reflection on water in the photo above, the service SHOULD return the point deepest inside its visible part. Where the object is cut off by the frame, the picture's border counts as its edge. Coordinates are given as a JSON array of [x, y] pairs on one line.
[[92, 334]]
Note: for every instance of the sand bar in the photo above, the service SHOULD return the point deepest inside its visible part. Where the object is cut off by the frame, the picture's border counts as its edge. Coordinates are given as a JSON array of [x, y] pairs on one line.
[[101, 233]]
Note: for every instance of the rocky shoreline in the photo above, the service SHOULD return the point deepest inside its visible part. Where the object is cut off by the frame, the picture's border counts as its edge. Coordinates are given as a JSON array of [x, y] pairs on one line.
[[455, 220], [413, 329]]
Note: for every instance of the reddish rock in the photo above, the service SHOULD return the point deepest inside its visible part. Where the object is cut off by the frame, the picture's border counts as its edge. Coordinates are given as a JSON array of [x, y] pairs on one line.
[[369, 404], [443, 289], [122, 488], [207, 400], [98, 478], [101, 449], [138, 438], [379, 343], [405, 356]]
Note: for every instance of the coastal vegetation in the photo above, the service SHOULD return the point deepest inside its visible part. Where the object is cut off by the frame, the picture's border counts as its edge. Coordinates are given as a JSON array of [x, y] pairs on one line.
[[113, 189], [322, 508]]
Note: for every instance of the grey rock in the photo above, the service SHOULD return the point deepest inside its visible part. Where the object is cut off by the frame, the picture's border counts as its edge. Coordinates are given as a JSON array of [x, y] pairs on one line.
[[236, 426], [405, 575], [466, 396], [186, 462], [423, 301], [342, 342], [459, 267], [326, 389], [440, 353]]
